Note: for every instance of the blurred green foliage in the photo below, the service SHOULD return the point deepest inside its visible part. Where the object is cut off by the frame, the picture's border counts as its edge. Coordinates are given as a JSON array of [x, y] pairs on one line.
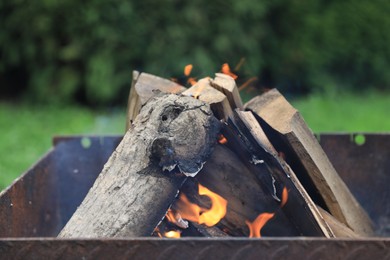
[[65, 51]]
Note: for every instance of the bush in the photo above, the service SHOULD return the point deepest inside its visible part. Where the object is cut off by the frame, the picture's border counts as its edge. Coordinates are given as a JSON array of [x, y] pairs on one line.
[[62, 51]]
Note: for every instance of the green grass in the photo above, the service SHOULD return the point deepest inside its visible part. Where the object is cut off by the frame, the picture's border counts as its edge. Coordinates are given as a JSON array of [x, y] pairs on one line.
[[346, 112], [26, 131]]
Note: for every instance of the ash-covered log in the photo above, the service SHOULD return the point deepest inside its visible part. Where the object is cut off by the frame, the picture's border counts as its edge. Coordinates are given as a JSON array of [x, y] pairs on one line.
[[170, 139]]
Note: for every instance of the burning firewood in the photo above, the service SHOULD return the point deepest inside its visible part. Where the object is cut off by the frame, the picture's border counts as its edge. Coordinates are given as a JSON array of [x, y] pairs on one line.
[[246, 187], [289, 134], [170, 139]]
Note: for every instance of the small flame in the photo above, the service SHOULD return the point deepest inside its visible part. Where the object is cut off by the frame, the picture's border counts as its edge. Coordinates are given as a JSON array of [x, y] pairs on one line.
[[171, 216], [226, 70], [256, 226], [222, 139], [172, 234], [188, 210], [157, 231], [217, 210], [188, 69], [195, 213], [192, 81], [284, 197]]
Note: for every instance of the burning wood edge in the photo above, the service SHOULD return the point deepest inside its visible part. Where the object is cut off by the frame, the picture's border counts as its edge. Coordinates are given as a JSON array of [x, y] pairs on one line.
[[173, 136], [250, 187], [276, 175], [204, 91], [290, 135], [133, 193], [220, 93], [228, 87]]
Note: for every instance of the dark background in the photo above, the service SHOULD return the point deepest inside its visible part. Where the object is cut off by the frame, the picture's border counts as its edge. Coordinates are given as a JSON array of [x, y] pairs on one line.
[[84, 51]]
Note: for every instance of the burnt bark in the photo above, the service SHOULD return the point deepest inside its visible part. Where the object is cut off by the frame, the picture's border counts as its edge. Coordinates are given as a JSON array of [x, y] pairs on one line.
[[170, 139]]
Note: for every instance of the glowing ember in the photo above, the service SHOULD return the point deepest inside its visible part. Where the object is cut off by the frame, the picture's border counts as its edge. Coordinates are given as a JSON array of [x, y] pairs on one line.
[[194, 213], [222, 139], [256, 226], [188, 69], [226, 70], [172, 234]]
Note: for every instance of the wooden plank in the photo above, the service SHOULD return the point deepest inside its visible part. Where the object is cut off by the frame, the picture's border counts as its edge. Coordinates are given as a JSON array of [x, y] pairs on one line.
[[228, 87], [203, 91], [340, 230], [249, 191], [300, 209], [171, 138], [290, 135]]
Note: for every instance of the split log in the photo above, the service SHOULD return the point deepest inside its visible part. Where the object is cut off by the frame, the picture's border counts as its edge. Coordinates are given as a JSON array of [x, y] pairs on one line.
[[340, 230], [133, 102], [234, 179], [290, 135], [219, 103], [273, 175], [144, 86], [226, 84], [171, 137]]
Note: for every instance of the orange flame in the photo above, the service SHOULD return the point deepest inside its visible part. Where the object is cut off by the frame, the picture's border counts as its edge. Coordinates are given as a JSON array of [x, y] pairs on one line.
[[284, 197], [188, 210], [262, 219], [222, 139], [172, 234], [217, 210], [188, 69], [226, 70], [192, 81], [256, 226], [195, 213], [171, 216]]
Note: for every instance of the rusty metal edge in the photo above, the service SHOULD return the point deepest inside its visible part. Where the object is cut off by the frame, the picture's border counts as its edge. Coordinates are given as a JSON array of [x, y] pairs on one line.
[[61, 138], [26, 172], [197, 248]]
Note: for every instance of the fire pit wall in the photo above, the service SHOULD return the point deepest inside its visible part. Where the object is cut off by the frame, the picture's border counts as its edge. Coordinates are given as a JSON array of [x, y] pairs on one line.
[[42, 200]]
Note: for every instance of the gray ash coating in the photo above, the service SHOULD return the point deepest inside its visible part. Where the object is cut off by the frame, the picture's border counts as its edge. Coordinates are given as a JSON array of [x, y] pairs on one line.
[[182, 131]]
